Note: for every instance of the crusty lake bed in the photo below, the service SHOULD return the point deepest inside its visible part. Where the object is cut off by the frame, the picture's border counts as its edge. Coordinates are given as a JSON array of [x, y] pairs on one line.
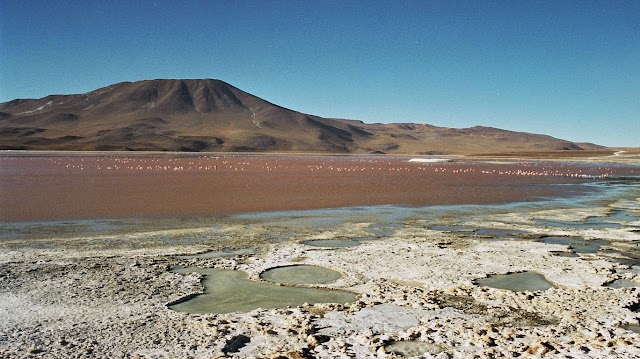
[[88, 269]]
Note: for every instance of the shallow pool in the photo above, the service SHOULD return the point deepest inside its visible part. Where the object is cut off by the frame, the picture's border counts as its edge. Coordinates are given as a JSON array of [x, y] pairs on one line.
[[579, 245], [517, 282], [227, 291], [300, 274], [623, 283], [633, 328]]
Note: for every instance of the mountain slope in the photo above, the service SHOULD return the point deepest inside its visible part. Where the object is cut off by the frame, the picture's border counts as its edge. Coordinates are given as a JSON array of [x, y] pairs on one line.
[[211, 115]]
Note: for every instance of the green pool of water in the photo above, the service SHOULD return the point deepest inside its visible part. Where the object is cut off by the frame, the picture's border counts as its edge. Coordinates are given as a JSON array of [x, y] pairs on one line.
[[579, 245], [517, 282], [227, 291], [633, 328], [300, 274], [623, 283], [626, 261]]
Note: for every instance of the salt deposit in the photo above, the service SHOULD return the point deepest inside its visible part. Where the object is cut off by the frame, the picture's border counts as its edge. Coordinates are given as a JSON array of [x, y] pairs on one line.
[[430, 160]]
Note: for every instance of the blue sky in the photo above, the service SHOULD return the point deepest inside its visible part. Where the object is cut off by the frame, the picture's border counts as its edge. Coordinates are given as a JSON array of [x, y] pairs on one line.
[[570, 69]]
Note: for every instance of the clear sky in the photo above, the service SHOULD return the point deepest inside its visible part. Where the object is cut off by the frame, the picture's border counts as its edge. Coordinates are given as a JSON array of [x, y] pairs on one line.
[[566, 68]]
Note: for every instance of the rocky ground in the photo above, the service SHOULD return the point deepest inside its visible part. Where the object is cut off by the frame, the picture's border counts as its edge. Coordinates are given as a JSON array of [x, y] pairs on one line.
[[105, 297]]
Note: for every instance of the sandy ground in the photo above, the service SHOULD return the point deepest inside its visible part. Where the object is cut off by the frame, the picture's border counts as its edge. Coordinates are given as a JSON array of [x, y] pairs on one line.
[[71, 290]]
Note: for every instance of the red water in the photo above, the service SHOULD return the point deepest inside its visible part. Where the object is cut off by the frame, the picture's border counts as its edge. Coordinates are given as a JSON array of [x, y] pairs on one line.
[[98, 186]]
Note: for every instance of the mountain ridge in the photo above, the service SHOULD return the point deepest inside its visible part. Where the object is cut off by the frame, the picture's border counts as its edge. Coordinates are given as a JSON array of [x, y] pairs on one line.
[[212, 115]]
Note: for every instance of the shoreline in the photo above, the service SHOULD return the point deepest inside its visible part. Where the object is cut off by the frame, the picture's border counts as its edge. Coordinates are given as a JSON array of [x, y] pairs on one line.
[[610, 152]]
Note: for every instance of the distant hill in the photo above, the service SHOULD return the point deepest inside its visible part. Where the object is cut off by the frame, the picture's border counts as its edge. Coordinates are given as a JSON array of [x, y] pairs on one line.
[[211, 115]]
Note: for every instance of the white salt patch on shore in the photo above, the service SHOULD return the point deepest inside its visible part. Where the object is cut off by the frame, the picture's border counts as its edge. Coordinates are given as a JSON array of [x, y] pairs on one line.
[[430, 160], [424, 261], [619, 234], [383, 318], [627, 204], [571, 214], [430, 259]]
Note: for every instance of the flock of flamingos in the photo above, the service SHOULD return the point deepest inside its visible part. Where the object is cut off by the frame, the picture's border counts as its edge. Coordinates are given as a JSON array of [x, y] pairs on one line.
[[325, 164]]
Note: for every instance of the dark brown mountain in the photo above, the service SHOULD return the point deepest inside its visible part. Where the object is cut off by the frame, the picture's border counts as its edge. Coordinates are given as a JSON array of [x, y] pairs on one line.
[[211, 115]]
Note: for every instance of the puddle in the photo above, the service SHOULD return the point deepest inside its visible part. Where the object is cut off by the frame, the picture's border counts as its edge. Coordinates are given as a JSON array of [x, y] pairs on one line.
[[579, 245], [382, 230], [625, 261], [220, 254], [622, 217], [633, 328], [227, 291], [623, 283], [500, 233], [332, 243], [412, 348], [629, 256], [365, 239], [516, 282], [300, 274], [591, 223]]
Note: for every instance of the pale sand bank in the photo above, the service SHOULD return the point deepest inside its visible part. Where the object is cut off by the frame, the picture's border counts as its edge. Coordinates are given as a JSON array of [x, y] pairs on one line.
[[430, 160]]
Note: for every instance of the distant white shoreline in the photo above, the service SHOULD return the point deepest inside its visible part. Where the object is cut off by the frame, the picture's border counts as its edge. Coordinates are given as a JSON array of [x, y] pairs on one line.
[[430, 160]]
